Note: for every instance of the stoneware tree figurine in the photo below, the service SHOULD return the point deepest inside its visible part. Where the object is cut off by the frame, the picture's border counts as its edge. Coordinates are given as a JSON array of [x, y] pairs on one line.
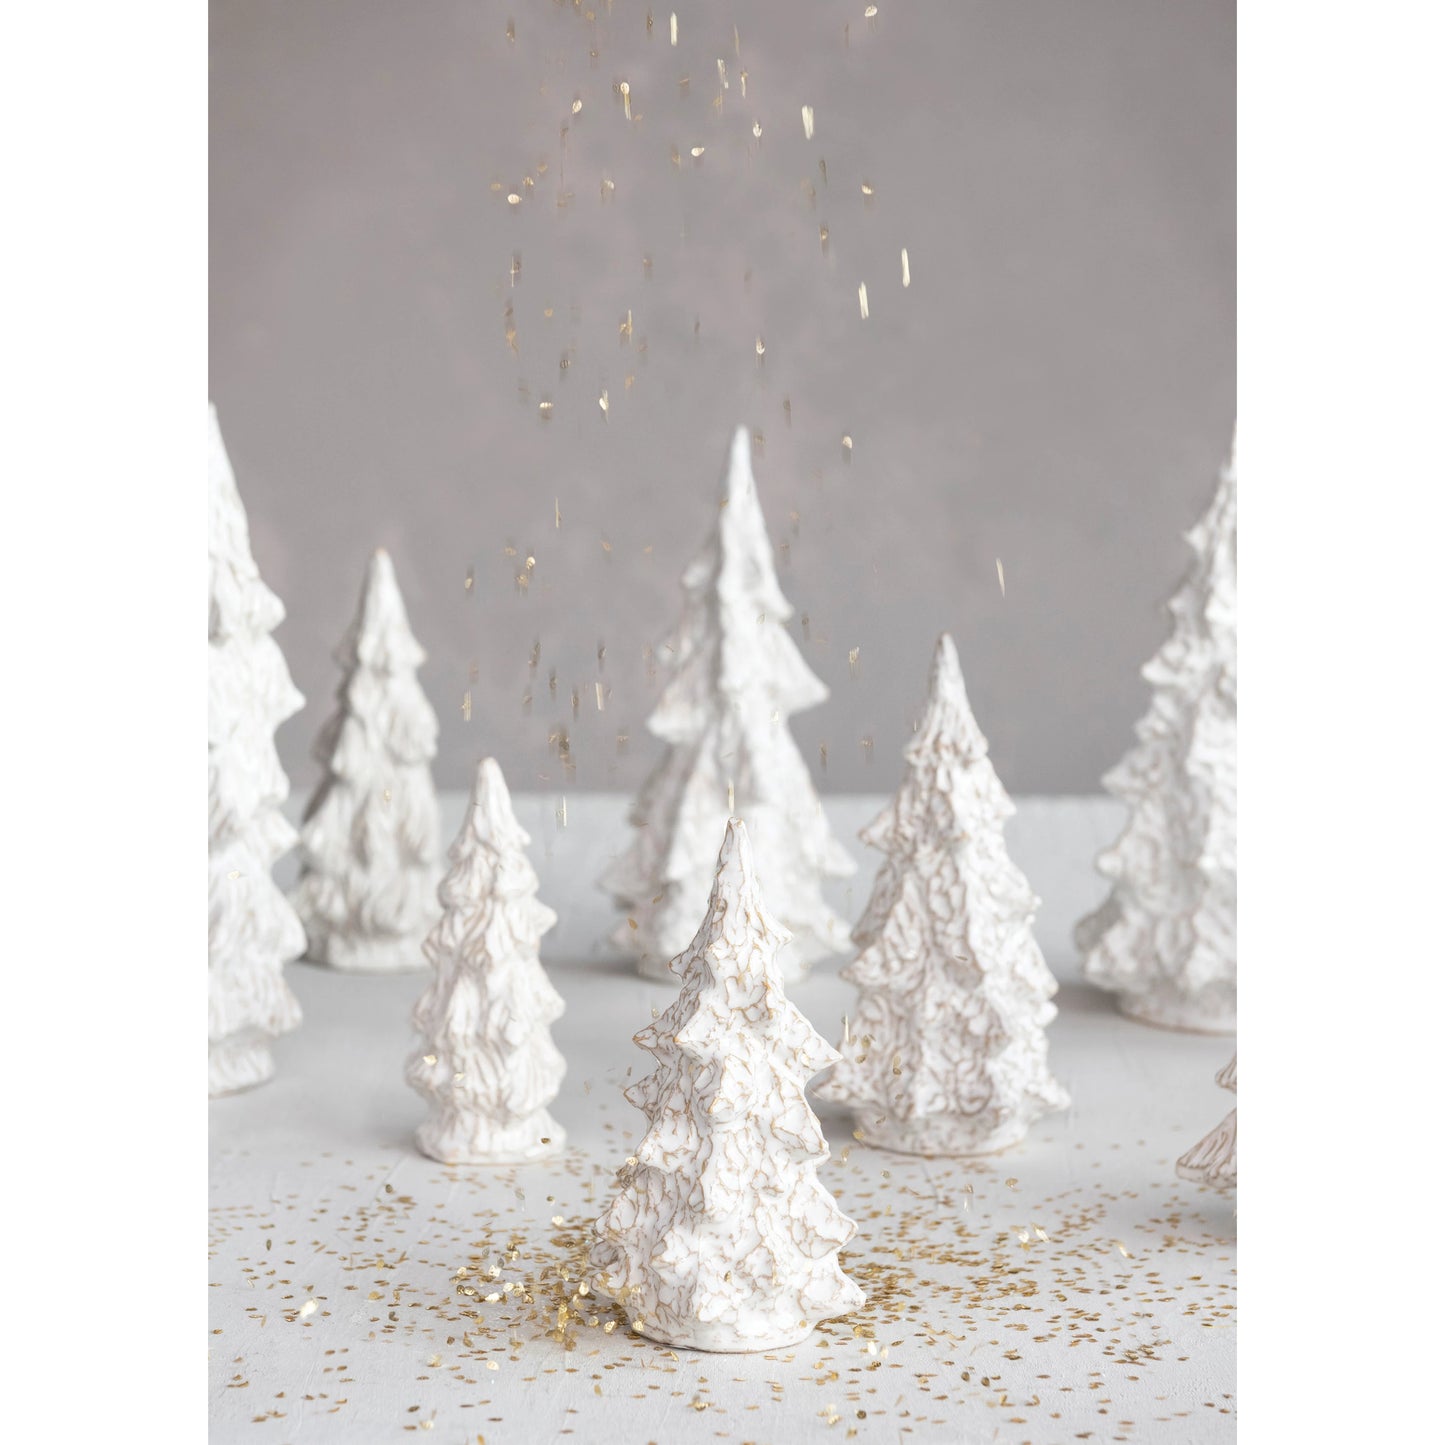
[[370, 851], [1212, 1159], [947, 1054], [254, 932], [722, 1236], [486, 1063], [734, 678], [1163, 941]]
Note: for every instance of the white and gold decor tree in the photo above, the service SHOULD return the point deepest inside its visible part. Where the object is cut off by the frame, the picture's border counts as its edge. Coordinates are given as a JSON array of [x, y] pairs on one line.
[[1164, 939], [1212, 1160], [946, 1052], [734, 677], [721, 1235], [254, 932], [370, 843], [486, 1063]]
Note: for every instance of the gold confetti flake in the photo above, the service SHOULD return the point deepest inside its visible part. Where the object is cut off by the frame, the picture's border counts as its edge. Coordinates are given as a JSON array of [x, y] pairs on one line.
[[1011, 1183], [731, 801], [545, 407], [807, 122], [998, 562], [514, 199], [847, 443], [672, 27], [757, 130], [467, 706], [602, 402], [577, 106], [862, 301], [870, 12], [823, 237], [760, 347], [308, 1309], [626, 90], [906, 277], [697, 152], [853, 662], [867, 189], [722, 72], [557, 512]]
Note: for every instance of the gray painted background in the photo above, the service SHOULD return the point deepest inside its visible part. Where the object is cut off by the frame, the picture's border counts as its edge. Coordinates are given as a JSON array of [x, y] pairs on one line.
[[1055, 389]]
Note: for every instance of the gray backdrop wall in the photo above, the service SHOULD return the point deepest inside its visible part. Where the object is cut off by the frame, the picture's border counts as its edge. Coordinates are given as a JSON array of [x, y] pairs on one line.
[[1054, 391]]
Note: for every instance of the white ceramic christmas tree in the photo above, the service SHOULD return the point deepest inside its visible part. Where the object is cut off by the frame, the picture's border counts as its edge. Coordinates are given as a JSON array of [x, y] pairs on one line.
[[735, 676], [722, 1236], [947, 1052], [1212, 1159], [1164, 939], [487, 1064], [254, 932], [370, 850]]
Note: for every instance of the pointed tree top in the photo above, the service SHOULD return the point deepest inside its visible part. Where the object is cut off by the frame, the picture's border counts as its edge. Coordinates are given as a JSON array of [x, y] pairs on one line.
[[739, 557], [947, 714], [380, 636], [490, 817]]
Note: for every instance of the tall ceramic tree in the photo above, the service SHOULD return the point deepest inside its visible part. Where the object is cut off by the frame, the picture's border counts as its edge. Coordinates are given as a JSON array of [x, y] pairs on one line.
[[254, 932], [1213, 1159], [486, 1063], [947, 1052], [1164, 939], [370, 851], [734, 678], [721, 1235]]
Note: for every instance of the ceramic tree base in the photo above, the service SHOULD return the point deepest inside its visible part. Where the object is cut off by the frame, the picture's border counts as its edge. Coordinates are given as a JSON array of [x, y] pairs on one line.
[[368, 955], [454, 1142], [937, 1137], [721, 1236], [239, 1064], [1188, 1013]]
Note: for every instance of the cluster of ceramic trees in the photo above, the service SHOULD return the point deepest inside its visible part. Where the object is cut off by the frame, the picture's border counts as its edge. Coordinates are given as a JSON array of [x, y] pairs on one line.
[[721, 1235]]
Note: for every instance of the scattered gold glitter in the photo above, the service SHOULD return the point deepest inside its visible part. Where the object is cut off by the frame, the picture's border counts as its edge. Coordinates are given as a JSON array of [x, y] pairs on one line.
[[577, 105], [545, 407], [467, 706], [626, 90], [672, 27], [1011, 1183], [862, 301], [823, 237], [760, 347], [867, 189], [757, 130], [807, 122], [906, 277], [853, 662], [601, 707], [870, 12], [697, 151], [511, 30], [309, 1308], [514, 199], [847, 443], [602, 402], [722, 72], [557, 512], [998, 562], [731, 804]]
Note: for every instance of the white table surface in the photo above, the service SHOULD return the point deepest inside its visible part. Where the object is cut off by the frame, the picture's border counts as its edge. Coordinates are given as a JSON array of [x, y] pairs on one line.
[[1072, 1289]]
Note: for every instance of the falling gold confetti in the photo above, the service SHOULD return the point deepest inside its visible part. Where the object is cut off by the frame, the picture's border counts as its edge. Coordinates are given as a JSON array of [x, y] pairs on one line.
[[557, 512], [760, 347], [847, 443], [602, 402], [730, 795], [466, 707], [545, 407], [514, 199], [853, 662], [867, 189], [870, 12], [577, 106], [757, 130], [998, 562], [600, 705], [672, 27], [807, 122], [862, 301], [697, 151], [626, 90], [905, 268], [722, 72]]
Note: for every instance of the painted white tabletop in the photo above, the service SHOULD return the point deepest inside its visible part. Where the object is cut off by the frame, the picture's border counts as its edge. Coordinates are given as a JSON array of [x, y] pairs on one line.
[[1071, 1289]]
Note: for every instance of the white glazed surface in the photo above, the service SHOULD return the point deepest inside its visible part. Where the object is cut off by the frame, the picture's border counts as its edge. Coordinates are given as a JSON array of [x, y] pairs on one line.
[[721, 1235], [946, 1051], [1164, 939], [735, 676], [370, 840], [486, 1063], [253, 930]]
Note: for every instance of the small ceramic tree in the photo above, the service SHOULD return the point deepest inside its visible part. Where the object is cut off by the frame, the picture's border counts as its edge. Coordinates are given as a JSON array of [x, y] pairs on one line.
[[1212, 1159], [947, 1054], [487, 1064], [1164, 939], [722, 1236], [370, 851], [253, 931], [735, 677]]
